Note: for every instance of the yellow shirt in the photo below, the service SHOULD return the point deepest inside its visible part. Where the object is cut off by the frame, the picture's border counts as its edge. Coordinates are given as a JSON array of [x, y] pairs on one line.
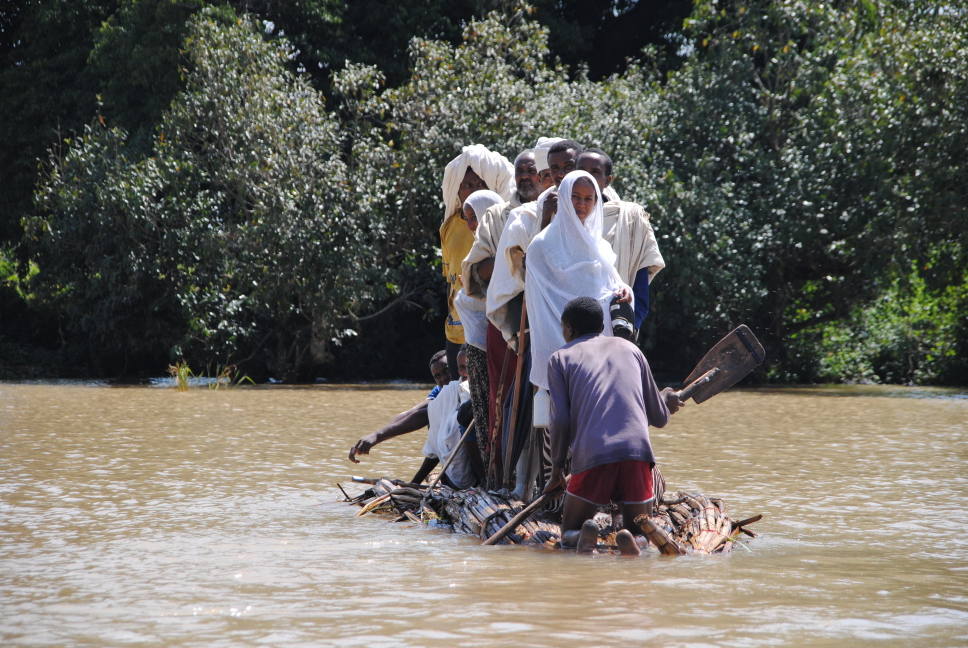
[[456, 240]]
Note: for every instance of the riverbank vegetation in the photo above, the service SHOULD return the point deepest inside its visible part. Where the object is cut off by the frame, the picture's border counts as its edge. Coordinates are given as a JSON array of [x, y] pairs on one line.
[[242, 189]]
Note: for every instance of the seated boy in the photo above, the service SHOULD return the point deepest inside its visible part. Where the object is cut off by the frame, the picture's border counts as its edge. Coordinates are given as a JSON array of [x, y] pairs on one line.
[[449, 415]]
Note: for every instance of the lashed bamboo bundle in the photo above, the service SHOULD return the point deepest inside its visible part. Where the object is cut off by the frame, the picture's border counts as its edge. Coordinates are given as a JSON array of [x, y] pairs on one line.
[[482, 513], [681, 523], [659, 536]]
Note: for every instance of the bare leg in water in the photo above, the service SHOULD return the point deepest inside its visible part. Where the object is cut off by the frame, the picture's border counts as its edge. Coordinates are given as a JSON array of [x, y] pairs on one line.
[[575, 520], [577, 512]]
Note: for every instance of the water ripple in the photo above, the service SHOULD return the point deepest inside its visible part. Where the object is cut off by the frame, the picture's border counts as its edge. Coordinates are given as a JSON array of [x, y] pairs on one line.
[[143, 515]]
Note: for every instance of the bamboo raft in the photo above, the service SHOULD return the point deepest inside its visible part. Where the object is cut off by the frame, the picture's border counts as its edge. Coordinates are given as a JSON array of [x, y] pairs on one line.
[[682, 523]]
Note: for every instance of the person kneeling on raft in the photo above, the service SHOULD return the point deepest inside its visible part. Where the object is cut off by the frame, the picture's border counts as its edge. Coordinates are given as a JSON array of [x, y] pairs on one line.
[[603, 399]]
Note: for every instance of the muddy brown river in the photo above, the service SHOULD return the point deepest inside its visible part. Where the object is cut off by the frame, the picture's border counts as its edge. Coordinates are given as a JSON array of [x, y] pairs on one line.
[[144, 516]]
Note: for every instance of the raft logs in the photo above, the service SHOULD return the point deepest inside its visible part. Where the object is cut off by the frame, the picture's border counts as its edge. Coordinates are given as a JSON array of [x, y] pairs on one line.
[[681, 524]]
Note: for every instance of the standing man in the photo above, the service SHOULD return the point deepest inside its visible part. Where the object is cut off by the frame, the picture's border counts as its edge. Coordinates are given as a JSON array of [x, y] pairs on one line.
[[474, 169], [562, 160], [478, 266], [541, 161], [603, 399], [627, 228]]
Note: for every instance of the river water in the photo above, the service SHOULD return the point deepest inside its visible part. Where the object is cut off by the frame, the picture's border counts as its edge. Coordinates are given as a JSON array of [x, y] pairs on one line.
[[144, 516]]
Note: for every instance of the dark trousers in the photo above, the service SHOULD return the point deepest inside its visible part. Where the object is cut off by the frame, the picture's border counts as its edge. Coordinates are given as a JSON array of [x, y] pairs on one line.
[[452, 350]]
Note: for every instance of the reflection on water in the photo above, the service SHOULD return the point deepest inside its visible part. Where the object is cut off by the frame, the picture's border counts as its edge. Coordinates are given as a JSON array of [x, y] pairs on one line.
[[142, 516]]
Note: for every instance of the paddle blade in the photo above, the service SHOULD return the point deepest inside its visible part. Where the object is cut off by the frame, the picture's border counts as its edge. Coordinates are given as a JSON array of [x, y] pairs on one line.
[[735, 356]]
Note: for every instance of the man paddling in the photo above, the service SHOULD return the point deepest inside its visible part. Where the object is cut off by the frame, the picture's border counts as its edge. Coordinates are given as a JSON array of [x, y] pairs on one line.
[[413, 419], [603, 399], [448, 416]]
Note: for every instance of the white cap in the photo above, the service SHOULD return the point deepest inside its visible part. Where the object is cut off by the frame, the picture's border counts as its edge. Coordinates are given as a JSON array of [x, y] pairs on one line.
[[541, 151]]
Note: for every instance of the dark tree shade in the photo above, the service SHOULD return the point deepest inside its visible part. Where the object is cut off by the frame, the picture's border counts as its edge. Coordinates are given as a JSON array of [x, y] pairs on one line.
[[46, 90], [59, 56], [604, 34]]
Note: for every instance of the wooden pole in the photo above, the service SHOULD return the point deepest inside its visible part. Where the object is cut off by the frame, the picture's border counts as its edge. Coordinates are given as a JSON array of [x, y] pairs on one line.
[[453, 454], [516, 398], [513, 523], [687, 391]]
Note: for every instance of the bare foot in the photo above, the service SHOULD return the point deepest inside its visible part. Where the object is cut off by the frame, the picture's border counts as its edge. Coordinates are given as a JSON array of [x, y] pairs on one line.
[[626, 543], [588, 538]]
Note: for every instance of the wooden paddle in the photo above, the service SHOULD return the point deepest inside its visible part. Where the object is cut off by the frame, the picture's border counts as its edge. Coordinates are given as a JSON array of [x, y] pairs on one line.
[[522, 347], [724, 365]]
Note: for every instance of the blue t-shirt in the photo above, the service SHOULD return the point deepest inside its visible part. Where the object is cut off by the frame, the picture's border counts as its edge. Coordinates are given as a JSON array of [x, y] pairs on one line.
[[433, 392]]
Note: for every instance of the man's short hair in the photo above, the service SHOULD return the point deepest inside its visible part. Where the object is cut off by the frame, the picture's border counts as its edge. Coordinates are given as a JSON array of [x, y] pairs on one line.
[[522, 154], [565, 145], [440, 356], [605, 156], [584, 315]]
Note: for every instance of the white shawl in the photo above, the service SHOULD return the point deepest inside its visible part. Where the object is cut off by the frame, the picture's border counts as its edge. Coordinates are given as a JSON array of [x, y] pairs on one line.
[[627, 228], [472, 319], [507, 279], [480, 200], [567, 259], [490, 226], [493, 168]]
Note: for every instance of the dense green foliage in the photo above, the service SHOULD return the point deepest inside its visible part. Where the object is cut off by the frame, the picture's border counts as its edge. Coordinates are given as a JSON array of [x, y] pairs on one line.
[[801, 162], [58, 56], [232, 234]]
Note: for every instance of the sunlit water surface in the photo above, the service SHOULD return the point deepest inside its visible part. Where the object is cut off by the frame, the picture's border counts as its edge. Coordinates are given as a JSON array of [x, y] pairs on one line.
[[152, 517]]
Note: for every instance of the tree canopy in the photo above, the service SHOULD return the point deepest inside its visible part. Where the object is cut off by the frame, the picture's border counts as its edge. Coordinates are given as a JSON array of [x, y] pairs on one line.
[[239, 196]]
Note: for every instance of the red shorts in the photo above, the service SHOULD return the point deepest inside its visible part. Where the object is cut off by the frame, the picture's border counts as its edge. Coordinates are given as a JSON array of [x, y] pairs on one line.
[[624, 482]]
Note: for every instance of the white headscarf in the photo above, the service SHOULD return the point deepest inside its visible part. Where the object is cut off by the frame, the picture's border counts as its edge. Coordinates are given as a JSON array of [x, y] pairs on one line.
[[567, 259], [541, 151], [481, 199], [493, 168]]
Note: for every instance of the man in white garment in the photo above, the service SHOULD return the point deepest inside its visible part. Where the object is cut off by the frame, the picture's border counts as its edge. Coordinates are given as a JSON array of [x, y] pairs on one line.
[[627, 228], [445, 431], [478, 265], [541, 161]]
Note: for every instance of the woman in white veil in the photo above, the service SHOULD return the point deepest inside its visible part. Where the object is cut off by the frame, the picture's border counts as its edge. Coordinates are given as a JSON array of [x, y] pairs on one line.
[[568, 259]]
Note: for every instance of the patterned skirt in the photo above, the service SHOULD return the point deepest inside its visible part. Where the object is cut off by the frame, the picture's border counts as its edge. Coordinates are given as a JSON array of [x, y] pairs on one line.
[[477, 377]]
